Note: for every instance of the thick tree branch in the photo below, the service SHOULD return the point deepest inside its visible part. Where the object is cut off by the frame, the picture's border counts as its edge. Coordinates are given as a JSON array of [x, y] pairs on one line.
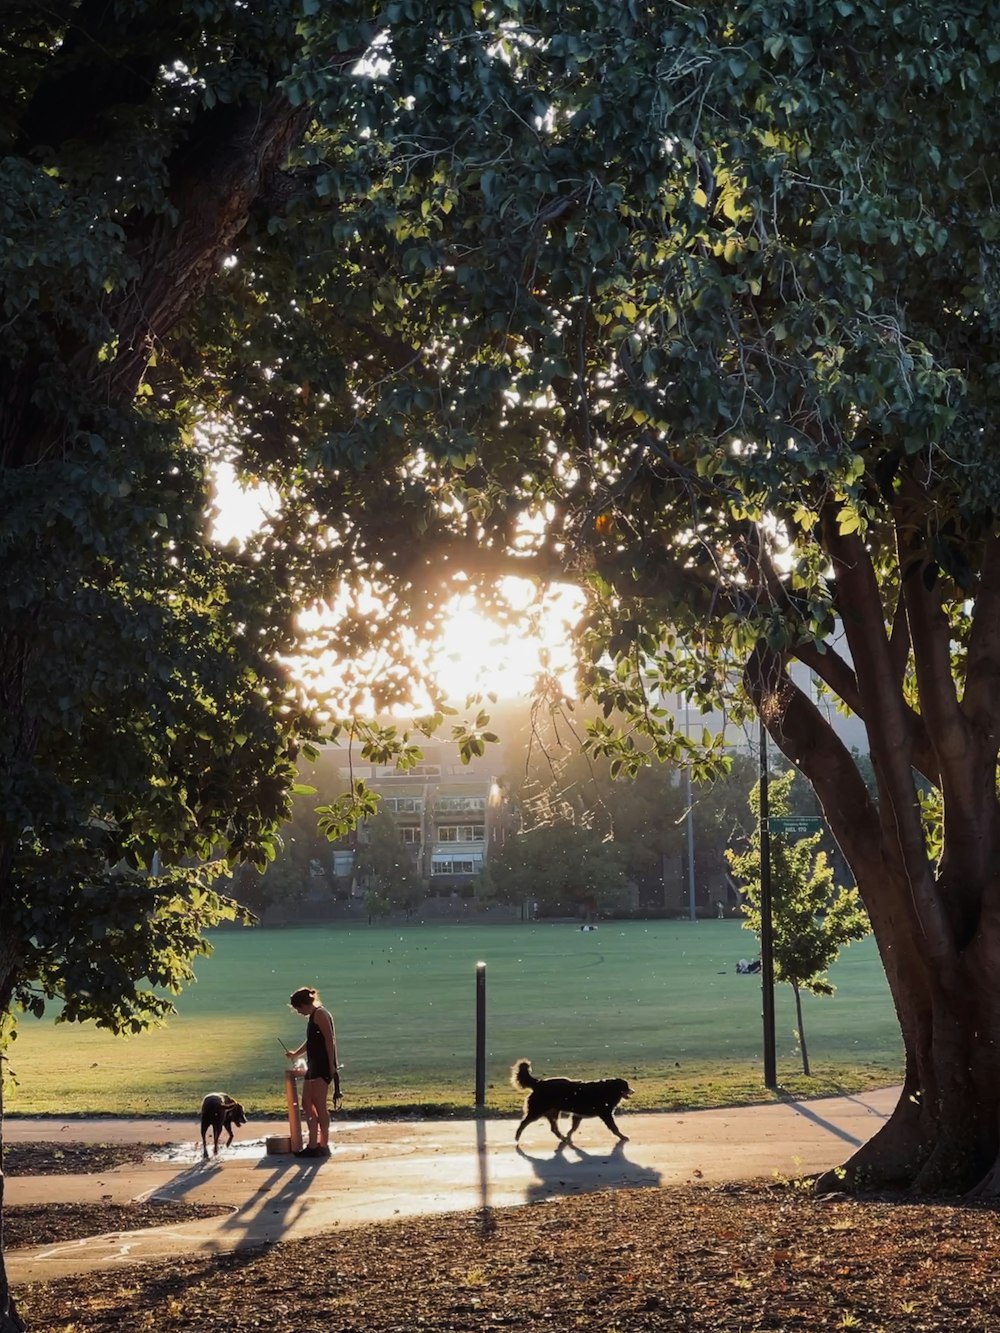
[[966, 758], [214, 180], [889, 732], [930, 634], [835, 672], [805, 737]]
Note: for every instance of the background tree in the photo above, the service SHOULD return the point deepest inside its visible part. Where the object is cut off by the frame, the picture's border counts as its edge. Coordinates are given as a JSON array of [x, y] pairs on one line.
[[813, 918], [385, 865], [303, 859], [565, 869], [557, 780]]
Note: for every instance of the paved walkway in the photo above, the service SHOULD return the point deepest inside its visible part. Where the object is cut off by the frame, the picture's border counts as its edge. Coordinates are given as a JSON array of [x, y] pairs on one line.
[[388, 1169]]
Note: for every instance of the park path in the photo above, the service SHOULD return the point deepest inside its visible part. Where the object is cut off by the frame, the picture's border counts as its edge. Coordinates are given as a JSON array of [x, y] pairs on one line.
[[392, 1169]]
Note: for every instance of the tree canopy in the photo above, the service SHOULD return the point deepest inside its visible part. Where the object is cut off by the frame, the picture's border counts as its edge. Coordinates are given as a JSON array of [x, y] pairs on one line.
[[563, 869], [694, 306]]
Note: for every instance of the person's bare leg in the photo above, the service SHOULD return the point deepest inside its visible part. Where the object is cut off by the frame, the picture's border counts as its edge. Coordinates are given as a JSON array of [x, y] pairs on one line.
[[322, 1113], [310, 1105]]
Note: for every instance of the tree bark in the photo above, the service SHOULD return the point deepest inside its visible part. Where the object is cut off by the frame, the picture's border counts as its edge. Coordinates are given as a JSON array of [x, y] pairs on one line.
[[10, 1320]]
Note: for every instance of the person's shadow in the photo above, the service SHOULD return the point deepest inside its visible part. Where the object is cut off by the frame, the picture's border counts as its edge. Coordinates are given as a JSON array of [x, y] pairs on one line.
[[279, 1200], [572, 1170]]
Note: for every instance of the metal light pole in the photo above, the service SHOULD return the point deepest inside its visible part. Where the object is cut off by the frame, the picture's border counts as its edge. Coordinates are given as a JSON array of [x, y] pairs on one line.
[[689, 821], [766, 929], [692, 899], [480, 1034]]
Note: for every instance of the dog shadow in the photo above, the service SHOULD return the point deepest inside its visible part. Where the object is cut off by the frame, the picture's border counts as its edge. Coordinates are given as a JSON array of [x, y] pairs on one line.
[[573, 1170]]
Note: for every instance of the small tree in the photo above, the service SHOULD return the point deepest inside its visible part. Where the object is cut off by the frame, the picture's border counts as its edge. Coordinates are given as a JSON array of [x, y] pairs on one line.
[[813, 918]]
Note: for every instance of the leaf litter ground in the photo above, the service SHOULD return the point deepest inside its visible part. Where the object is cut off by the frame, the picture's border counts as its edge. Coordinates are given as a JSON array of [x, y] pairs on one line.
[[732, 1259]]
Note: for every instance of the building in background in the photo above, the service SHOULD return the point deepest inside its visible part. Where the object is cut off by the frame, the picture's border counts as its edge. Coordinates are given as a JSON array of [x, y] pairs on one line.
[[451, 817]]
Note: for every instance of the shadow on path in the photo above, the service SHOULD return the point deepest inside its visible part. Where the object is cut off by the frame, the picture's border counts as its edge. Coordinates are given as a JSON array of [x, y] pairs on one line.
[[280, 1201], [828, 1125], [571, 1170], [281, 1198], [487, 1222]]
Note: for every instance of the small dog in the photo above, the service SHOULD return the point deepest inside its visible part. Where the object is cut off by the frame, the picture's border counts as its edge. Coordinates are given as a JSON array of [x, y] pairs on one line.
[[220, 1112], [548, 1098]]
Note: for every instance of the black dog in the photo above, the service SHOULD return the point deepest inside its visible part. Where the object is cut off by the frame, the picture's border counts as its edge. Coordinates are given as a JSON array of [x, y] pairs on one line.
[[219, 1112], [549, 1098]]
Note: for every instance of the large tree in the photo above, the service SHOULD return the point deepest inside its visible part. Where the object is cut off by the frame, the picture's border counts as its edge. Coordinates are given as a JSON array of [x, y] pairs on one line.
[[701, 304], [696, 306], [148, 718]]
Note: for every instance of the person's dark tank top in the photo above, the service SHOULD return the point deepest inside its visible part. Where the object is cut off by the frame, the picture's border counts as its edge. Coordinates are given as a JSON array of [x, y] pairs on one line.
[[317, 1056]]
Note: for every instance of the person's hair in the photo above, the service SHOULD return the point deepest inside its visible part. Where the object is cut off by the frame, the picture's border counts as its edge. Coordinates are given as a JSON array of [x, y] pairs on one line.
[[304, 995]]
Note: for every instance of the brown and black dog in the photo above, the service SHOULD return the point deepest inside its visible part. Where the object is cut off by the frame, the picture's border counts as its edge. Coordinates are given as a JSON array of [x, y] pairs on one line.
[[548, 1098], [220, 1112]]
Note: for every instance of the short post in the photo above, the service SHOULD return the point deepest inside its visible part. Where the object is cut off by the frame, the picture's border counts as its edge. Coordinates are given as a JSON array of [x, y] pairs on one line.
[[480, 1034], [294, 1116]]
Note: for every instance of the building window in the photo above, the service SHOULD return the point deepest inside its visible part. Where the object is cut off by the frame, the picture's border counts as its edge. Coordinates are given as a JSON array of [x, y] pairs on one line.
[[410, 835], [456, 865], [462, 803], [462, 833], [403, 805], [343, 864]]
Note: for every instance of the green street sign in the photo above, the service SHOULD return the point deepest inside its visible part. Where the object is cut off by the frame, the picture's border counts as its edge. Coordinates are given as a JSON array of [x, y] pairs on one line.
[[795, 826]]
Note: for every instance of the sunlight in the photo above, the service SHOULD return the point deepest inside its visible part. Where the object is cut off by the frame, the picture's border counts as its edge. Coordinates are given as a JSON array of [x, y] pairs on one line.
[[238, 511], [476, 654]]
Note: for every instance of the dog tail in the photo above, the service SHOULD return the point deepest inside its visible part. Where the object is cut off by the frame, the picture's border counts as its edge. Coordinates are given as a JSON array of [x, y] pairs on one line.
[[521, 1075]]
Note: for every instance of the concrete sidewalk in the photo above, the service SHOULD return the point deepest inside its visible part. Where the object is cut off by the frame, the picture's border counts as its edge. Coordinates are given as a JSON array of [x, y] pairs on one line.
[[389, 1169]]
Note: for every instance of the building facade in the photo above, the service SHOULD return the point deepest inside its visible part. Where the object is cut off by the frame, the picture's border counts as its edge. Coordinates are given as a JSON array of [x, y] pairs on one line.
[[451, 817]]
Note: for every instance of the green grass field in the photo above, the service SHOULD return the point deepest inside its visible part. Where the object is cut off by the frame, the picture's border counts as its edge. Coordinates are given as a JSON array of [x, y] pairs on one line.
[[658, 1002]]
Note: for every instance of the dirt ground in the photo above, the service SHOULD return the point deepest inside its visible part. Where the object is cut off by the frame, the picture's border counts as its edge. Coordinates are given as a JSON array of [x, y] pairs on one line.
[[729, 1259], [50, 1223]]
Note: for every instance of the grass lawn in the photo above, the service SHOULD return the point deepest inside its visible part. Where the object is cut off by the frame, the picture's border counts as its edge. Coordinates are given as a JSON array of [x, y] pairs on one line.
[[658, 1002]]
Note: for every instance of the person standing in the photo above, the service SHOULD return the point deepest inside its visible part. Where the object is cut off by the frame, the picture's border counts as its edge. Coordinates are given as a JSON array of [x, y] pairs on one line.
[[320, 1050]]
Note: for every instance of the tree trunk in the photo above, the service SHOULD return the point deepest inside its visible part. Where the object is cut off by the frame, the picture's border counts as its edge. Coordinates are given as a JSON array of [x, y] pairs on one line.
[[938, 937], [10, 1320], [802, 1031], [944, 1136]]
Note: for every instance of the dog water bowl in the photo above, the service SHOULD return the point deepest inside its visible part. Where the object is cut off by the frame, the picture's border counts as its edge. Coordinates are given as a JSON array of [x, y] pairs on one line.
[[278, 1143]]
